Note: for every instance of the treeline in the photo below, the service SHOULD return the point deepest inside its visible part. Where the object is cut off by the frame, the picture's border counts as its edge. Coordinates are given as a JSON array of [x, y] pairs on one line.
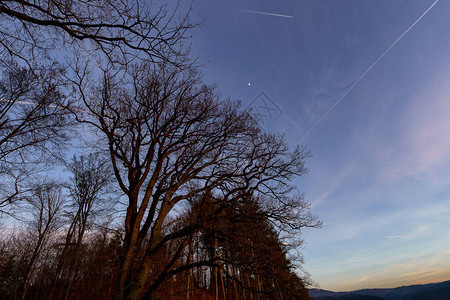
[[58, 257], [173, 192]]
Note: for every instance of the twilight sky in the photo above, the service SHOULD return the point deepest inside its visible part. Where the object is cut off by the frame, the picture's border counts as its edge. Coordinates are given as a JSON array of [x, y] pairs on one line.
[[380, 175]]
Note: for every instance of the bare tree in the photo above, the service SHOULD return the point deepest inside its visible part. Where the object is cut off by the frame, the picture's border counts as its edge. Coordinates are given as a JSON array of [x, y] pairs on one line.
[[169, 138], [42, 43], [88, 195], [46, 201], [32, 124], [120, 30]]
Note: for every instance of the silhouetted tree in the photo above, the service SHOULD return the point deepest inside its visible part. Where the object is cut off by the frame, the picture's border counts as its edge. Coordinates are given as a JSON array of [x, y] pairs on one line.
[[88, 190], [121, 31], [33, 127], [170, 138], [43, 44], [46, 201]]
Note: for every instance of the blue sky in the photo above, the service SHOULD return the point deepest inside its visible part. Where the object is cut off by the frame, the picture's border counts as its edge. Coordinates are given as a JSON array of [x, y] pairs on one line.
[[380, 175]]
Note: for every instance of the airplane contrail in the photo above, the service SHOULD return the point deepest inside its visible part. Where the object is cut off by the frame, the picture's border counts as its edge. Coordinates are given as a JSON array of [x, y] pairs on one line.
[[264, 13], [367, 71]]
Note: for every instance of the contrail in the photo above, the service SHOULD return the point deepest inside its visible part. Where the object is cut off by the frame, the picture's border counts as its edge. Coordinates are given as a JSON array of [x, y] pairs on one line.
[[264, 13], [367, 71]]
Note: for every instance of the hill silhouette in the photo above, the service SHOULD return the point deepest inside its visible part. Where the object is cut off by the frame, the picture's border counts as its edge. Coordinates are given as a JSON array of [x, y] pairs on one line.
[[432, 291]]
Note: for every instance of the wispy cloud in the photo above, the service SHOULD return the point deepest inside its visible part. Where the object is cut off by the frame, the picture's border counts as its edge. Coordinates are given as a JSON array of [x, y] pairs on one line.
[[420, 230], [361, 279], [357, 281], [334, 182]]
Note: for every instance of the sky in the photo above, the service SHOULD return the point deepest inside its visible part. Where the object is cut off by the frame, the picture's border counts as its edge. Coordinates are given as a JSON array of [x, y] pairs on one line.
[[365, 85]]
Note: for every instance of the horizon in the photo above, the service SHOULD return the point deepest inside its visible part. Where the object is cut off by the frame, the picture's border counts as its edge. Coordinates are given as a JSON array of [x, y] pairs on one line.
[[379, 288]]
